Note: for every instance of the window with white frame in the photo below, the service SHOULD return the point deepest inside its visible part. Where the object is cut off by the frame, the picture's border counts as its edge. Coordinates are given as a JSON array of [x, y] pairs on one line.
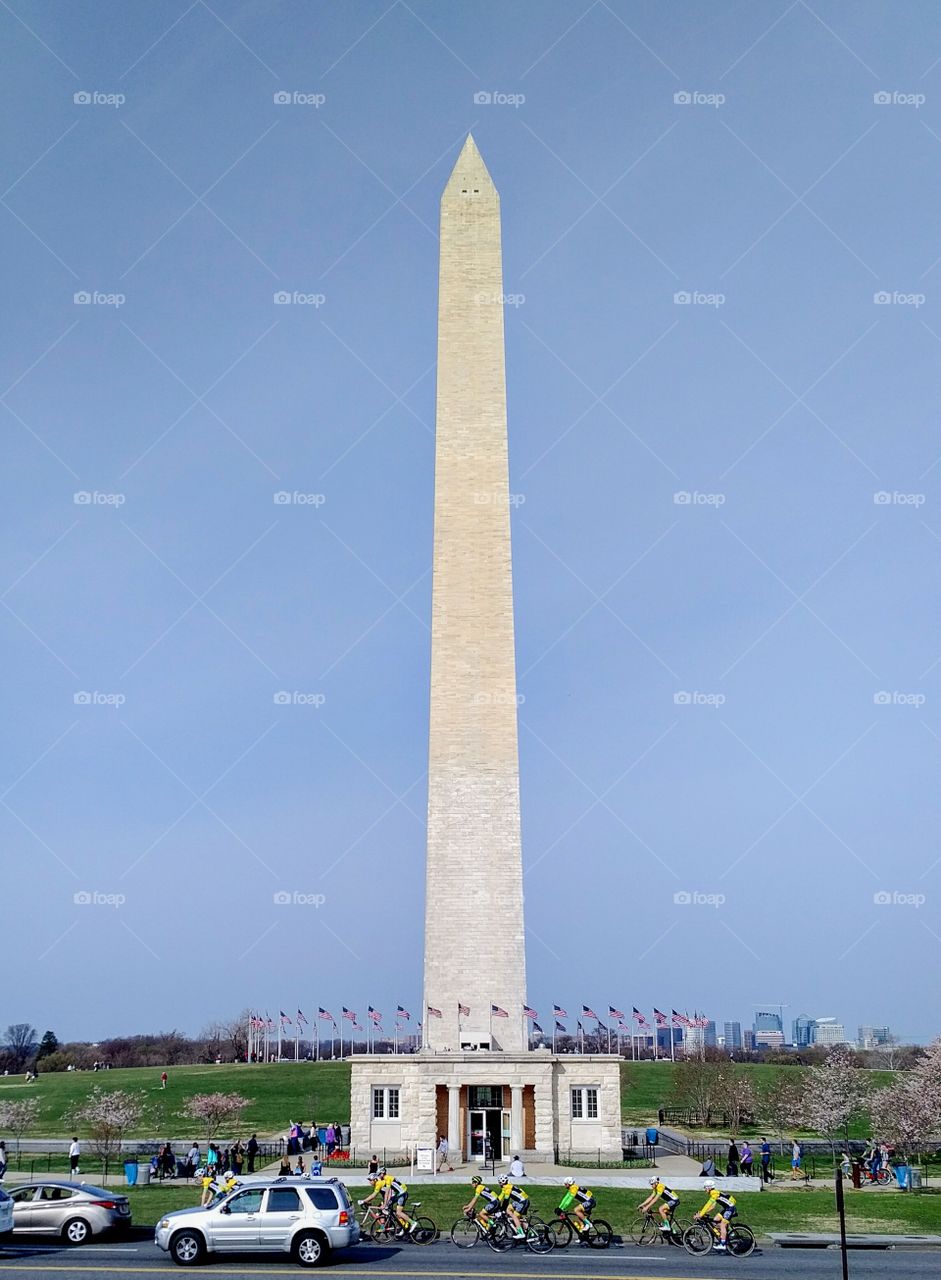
[[385, 1102], [585, 1102]]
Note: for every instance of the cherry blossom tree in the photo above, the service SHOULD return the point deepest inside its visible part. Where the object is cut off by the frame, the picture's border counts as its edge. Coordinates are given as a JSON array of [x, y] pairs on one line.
[[109, 1117], [214, 1110], [19, 1117], [781, 1102], [835, 1093]]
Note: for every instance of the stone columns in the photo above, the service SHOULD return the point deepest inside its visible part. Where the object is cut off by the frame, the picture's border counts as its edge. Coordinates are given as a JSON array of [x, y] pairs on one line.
[[516, 1119], [455, 1142]]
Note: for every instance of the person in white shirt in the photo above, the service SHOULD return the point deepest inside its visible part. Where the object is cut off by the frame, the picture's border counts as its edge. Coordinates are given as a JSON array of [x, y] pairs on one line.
[[75, 1155]]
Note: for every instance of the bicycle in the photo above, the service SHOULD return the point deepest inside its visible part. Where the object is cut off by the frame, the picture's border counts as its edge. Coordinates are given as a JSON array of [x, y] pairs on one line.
[[699, 1238], [535, 1235], [468, 1230], [645, 1229], [387, 1227], [596, 1233]]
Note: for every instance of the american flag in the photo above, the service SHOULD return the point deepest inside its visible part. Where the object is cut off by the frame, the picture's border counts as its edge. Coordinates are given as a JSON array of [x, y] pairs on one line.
[[622, 1026], [327, 1017], [255, 1022], [601, 1026], [559, 1027], [558, 1011], [702, 1021], [374, 1014], [529, 1013], [497, 1012], [680, 1020], [348, 1013], [269, 1021], [614, 1013], [589, 1013], [434, 1013], [639, 1017], [463, 1010], [285, 1020], [537, 1027], [661, 1019], [403, 1013], [301, 1020]]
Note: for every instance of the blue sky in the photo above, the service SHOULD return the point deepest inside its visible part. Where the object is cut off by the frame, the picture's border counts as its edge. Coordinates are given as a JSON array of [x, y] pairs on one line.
[[720, 232]]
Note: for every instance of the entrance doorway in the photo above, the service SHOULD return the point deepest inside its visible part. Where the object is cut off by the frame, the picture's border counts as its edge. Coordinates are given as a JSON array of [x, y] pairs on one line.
[[488, 1132]]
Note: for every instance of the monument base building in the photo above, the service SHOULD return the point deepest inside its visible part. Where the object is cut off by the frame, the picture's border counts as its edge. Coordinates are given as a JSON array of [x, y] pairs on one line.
[[537, 1105]]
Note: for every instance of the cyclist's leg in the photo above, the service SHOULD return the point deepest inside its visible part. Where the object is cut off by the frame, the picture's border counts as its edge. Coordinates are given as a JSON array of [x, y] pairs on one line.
[[723, 1224]]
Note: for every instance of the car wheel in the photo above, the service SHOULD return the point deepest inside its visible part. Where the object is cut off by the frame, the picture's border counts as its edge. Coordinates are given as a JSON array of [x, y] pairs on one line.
[[76, 1231], [187, 1248], [310, 1249]]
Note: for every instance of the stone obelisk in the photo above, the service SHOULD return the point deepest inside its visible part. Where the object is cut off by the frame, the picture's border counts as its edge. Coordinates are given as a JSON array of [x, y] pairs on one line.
[[474, 944]]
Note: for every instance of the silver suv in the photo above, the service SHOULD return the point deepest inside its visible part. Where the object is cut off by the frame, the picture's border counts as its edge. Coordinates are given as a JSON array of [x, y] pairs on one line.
[[305, 1217]]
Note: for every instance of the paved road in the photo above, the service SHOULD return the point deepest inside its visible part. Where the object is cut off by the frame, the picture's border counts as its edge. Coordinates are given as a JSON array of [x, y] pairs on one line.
[[137, 1258]]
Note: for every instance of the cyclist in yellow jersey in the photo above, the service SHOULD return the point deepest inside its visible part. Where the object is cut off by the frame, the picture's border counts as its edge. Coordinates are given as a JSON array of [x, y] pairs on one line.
[[668, 1202], [489, 1201], [515, 1201], [724, 1202], [578, 1201], [394, 1192]]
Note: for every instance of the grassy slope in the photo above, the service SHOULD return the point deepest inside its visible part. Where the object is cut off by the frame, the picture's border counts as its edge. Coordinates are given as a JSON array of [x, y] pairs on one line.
[[791, 1210], [279, 1093]]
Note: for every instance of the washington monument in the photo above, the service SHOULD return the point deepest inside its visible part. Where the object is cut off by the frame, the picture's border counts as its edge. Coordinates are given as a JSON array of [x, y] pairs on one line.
[[475, 963]]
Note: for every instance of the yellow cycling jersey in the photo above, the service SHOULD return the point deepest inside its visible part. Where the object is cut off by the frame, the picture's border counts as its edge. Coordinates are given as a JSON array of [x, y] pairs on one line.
[[388, 1181], [718, 1198], [661, 1189], [512, 1192]]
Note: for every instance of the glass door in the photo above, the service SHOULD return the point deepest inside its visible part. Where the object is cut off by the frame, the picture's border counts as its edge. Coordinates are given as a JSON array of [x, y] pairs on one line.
[[477, 1134]]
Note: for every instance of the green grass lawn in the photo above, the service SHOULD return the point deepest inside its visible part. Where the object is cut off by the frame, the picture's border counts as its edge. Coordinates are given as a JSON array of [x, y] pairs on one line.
[[279, 1093], [785, 1210]]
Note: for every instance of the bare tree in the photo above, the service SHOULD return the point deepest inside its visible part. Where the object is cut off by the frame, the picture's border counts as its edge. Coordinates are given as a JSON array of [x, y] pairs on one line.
[[236, 1032], [781, 1102], [19, 1117], [735, 1094], [695, 1086], [21, 1043]]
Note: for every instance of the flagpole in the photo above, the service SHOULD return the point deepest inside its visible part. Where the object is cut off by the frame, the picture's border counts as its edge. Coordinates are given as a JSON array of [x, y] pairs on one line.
[[317, 1039], [672, 1047], [341, 1038], [297, 1042]]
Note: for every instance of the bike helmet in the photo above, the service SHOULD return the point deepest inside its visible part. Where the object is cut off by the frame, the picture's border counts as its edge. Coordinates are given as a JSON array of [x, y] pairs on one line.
[[503, 1180], [569, 1182], [709, 1184], [476, 1180], [653, 1181], [381, 1173]]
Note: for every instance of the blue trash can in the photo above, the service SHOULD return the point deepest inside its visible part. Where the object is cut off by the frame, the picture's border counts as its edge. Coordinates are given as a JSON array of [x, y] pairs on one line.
[[653, 1136], [130, 1172], [901, 1176]]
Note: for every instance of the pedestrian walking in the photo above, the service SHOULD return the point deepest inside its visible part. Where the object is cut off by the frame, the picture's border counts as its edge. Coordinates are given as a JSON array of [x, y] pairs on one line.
[[373, 1166], [75, 1155], [331, 1140], [443, 1154], [251, 1150], [795, 1159], [163, 1080], [747, 1159], [3, 1160], [732, 1160], [767, 1169]]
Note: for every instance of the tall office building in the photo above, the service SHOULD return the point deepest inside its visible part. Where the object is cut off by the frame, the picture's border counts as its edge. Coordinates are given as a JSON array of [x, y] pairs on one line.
[[767, 1022], [827, 1031], [802, 1031], [733, 1035]]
